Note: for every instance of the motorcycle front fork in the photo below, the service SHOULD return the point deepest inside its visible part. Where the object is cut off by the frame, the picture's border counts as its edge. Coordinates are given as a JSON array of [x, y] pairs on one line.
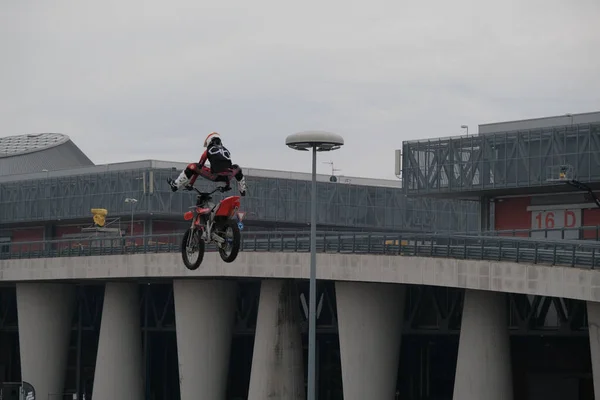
[[203, 226], [206, 227]]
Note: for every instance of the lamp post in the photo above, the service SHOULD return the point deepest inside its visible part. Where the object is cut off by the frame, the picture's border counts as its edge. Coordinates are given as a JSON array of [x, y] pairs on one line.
[[132, 201], [317, 141], [465, 127]]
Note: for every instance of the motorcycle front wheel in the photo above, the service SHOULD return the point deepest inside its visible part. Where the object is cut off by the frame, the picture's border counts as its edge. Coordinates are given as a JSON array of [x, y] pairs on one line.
[[191, 243]]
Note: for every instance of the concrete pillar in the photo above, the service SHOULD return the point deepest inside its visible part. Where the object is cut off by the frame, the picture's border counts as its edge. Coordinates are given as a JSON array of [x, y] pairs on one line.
[[593, 312], [370, 317], [45, 314], [277, 364], [205, 317], [119, 364], [483, 369]]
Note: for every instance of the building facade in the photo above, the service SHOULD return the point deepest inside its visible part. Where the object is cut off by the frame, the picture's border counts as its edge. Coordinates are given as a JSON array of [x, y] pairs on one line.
[[51, 203], [535, 177]]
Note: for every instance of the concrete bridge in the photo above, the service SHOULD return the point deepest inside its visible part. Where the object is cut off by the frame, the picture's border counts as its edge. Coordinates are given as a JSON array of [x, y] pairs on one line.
[[370, 271]]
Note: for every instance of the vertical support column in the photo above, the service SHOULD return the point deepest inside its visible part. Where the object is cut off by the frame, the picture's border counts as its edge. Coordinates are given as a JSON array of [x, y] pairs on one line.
[[49, 234], [118, 374], [593, 312], [483, 369], [45, 314], [484, 214], [370, 317], [148, 227], [277, 364], [148, 232], [205, 317]]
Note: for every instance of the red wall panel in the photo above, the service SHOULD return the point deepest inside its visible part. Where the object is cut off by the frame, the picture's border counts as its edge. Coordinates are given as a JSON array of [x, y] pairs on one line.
[[511, 213], [61, 230], [27, 235], [138, 230], [164, 227], [591, 217]]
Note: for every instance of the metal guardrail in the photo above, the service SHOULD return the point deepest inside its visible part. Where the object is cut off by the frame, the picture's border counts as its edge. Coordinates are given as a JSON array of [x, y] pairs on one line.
[[582, 232], [575, 253]]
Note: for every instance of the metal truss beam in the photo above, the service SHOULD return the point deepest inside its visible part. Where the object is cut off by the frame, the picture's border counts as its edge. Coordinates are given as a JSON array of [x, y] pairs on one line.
[[431, 309], [547, 315], [500, 160], [438, 310], [157, 307], [247, 308], [268, 200], [8, 309], [90, 301], [428, 310], [157, 299]]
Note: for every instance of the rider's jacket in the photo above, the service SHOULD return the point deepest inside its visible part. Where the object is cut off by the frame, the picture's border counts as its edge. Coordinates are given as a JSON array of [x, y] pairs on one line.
[[218, 156]]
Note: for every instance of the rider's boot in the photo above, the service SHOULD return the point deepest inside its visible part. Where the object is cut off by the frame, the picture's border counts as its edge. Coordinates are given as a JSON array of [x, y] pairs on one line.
[[172, 184], [242, 186], [181, 180]]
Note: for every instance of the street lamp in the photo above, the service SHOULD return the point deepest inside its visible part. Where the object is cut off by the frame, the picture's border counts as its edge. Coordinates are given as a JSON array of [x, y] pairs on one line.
[[132, 201], [317, 141], [465, 127]]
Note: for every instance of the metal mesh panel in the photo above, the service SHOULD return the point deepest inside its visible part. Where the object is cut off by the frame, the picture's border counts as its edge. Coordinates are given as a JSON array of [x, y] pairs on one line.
[[268, 199], [506, 160]]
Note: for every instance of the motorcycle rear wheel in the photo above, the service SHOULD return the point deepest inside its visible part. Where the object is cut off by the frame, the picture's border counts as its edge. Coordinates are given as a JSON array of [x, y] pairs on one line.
[[196, 242], [230, 231]]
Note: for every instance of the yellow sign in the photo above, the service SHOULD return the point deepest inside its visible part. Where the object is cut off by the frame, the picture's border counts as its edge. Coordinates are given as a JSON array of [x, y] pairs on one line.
[[99, 216], [390, 242]]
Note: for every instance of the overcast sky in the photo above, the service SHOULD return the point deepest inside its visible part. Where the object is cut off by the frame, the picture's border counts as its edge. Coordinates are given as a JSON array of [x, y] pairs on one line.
[[132, 79]]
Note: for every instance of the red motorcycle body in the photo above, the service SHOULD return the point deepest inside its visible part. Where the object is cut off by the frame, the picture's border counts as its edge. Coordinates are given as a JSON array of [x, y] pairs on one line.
[[226, 208]]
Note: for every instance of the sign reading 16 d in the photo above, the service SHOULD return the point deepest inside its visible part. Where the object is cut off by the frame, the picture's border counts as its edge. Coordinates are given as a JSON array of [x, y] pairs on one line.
[[556, 219]]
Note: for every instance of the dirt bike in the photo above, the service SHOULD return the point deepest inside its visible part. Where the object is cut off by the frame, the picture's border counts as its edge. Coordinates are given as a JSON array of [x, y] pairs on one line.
[[212, 223]]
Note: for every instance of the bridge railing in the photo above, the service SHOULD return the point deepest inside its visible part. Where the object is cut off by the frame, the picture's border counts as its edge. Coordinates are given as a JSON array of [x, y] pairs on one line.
[[582, 232], [580, 253]]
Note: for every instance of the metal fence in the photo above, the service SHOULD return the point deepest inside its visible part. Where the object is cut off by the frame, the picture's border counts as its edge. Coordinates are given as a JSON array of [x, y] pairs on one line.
[[582, 232], [494, 248]]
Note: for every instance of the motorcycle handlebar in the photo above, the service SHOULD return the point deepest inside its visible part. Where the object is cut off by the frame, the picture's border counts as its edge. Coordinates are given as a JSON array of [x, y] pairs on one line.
[[221, 189]]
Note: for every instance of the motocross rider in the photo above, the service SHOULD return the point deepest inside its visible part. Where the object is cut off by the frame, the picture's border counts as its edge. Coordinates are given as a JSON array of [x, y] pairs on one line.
[[221, 168]]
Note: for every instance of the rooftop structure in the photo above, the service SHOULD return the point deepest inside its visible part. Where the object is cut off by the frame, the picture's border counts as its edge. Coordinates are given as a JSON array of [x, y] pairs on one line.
[[507, 158], [178, 166], [37, 152], [540, 123]]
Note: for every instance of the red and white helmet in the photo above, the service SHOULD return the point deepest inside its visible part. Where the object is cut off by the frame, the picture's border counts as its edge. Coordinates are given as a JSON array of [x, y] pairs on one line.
[[211, 136]]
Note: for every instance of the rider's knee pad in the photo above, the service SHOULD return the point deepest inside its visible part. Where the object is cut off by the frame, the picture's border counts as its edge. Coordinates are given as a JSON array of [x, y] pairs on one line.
[[237, 171], [191, 170]]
